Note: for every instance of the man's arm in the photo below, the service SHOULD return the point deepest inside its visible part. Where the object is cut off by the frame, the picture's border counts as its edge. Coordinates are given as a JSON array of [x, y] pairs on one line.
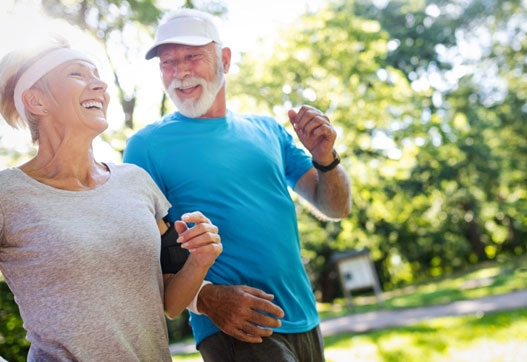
[[329, 192], [243, 312], [327, 187], [246, 313]]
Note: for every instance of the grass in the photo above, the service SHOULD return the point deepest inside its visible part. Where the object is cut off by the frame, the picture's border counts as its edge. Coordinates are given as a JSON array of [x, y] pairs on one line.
[[190, 357], [481, 281], [491, 337]]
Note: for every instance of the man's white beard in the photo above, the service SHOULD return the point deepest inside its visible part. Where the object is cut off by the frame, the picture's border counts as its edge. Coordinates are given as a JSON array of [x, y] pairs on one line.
[[195, 108]]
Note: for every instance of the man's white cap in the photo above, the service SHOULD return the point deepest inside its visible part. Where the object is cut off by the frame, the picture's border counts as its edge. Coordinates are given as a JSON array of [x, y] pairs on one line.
[[187, 27]]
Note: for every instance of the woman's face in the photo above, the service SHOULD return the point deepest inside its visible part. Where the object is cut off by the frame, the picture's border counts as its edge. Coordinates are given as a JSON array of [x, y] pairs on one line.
[[80, 96]]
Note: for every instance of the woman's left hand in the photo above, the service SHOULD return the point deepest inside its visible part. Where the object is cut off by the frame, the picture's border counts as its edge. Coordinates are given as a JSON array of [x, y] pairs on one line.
[[202, 240]]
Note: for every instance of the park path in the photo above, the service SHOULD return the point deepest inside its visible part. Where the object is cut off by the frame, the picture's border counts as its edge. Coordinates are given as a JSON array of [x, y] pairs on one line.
[[368, 321]]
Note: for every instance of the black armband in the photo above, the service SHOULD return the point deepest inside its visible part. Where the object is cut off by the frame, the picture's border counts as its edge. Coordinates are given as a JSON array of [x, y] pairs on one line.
[[173, 256]]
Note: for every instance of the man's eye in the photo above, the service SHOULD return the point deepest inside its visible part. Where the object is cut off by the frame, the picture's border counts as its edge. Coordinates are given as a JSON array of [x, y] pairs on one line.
[[76, 74]]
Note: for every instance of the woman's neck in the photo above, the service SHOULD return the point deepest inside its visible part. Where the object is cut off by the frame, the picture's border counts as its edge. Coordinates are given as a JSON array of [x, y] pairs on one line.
[[68, 171]]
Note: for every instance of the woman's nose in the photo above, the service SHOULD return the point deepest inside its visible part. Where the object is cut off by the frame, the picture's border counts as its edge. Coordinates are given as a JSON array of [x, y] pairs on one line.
[[98, 84]]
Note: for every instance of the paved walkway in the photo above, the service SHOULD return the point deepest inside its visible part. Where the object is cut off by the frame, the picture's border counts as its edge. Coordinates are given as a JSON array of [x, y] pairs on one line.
[[382, 319], [369, 321]]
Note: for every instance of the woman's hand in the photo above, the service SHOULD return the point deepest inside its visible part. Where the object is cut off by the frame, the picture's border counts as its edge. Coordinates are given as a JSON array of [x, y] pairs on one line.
[[201, 240]]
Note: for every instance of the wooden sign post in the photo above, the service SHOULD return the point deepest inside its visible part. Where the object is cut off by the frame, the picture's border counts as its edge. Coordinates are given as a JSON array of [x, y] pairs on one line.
[[357, 272]]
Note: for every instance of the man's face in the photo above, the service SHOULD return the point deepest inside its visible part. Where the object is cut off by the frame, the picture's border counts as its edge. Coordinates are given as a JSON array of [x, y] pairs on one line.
[[192, 76]]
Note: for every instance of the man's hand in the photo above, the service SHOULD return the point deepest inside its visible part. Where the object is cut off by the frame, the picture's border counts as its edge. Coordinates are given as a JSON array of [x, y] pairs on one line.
[[242, 312], [329, 192], [315, 132]]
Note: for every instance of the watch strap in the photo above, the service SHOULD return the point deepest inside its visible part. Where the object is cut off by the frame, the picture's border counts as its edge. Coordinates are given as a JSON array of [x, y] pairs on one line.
[[331, 166]]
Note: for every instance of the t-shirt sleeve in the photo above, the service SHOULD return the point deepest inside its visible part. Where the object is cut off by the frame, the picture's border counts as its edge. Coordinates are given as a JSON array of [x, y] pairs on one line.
[[2, 227], [161, 204], [137, 152], [297, 161]]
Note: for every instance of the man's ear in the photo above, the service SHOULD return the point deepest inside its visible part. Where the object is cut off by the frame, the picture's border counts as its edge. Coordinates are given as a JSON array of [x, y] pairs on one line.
[[32, 99], [226, 59]]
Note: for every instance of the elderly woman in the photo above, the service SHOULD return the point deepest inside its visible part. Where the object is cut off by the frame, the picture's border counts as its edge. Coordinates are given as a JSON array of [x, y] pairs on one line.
[[79, 241]]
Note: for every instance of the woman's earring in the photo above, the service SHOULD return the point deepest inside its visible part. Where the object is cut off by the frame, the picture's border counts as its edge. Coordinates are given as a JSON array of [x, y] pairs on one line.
[[45, 110]]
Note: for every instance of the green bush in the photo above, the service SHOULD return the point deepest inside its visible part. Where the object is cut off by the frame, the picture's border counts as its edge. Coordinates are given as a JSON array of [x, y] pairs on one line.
[[13, 344]]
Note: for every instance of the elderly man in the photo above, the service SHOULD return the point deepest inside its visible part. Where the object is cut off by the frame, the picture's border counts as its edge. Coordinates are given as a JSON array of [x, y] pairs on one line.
[[257, 303]]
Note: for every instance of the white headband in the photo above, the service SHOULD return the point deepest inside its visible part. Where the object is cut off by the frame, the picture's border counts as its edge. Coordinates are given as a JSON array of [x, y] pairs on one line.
[[38, 69]]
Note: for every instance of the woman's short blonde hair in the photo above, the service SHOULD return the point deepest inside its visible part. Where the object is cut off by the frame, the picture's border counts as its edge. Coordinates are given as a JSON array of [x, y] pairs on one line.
[[12, 66]]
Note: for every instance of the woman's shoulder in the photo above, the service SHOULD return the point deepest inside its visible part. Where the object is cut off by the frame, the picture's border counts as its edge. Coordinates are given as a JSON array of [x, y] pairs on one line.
[[10, 175], [120, 166], [128, 171], [8, 172]]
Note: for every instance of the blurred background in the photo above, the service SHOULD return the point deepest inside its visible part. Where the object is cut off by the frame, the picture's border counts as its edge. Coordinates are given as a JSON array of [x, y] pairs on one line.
[[430, 101]]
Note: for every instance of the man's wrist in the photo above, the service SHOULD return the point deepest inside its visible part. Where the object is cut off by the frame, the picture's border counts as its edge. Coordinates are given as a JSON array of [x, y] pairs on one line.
[[331, 166], [193, 306]]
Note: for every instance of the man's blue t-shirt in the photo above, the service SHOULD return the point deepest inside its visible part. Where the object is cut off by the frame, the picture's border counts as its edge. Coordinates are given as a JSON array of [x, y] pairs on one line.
[[236, 170]]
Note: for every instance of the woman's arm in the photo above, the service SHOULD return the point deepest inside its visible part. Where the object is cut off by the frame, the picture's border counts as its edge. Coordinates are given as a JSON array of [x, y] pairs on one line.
[[204, 245]]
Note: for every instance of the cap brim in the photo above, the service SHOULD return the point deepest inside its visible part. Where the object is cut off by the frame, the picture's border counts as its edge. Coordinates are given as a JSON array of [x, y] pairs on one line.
[[184, 40]]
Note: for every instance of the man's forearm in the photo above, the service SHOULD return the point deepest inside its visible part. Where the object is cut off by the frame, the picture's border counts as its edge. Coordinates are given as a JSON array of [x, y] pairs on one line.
[[333, 193]]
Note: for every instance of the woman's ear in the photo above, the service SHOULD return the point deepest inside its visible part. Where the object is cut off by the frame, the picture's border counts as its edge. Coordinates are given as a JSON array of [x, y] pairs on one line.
[[33, 102]]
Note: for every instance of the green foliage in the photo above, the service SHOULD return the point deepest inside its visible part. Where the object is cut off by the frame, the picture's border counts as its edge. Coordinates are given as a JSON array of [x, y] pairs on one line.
[[179, 328], [482, 280], [13, 344], [102, 17], [433, 136]]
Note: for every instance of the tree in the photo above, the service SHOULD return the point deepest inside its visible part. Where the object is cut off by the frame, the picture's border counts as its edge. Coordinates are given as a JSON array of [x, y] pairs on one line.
[[338, 66], [429, 142]]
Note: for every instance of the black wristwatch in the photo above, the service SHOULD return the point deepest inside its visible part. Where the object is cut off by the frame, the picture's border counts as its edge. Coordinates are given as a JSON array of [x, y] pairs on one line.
[[329, 167]]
